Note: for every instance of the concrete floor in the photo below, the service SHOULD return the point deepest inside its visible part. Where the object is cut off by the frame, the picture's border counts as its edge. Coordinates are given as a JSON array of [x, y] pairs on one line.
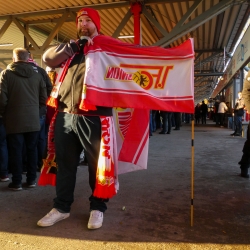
[[157, 202]]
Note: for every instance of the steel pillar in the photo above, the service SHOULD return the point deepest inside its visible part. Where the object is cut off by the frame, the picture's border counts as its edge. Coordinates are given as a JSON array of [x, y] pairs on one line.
[[241, 79], [136, 11], [234, 97]]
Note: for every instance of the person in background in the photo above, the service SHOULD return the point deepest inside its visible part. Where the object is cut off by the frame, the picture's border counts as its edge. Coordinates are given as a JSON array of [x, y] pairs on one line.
[[238, 113], [167, 122], [3, 153], [177, 116], [23, 93], [204, 111], [197, 114], [216, 114], [221, 111], [245, 159]]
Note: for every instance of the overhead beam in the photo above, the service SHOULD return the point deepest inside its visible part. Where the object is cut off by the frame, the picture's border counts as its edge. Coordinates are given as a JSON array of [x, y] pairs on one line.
[[73, 16], [26, 34], [5, 26], [196, 22], [209, 74], [197, 57], [199, 83], [208, 50], [204, 70], [46, 21], [219, 21], [154, 22], [122, 24], [187, 14], [206, 60], [100, 6], [55, 30]]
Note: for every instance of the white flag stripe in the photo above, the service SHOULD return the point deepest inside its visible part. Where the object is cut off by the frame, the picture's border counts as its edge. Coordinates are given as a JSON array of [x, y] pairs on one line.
[[139, 148]]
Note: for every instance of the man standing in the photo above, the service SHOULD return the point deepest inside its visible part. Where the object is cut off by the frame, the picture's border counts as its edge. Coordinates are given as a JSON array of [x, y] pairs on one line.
[[203, 112], [177, 116], [221, 111], [167, 124], [23, 92], [245, 159], [75, 129], [238, 113]]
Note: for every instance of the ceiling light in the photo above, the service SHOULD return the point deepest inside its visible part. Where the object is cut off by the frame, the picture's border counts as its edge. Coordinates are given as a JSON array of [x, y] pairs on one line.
[[126, 36], [6, 44]]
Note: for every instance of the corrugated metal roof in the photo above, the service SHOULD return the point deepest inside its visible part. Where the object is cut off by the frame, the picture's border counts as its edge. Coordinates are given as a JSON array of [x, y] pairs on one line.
[[215, 34]]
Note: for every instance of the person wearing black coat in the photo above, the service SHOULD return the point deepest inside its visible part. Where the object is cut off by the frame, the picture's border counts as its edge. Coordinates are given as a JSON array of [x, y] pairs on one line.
[[23, 94]]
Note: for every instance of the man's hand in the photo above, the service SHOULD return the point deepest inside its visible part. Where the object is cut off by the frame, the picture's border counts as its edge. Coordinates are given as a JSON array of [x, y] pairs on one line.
[[90, 42], [85, 40]]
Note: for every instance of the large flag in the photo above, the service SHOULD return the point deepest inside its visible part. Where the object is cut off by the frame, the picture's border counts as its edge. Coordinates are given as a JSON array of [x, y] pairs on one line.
[[133, 80], [124, 75]]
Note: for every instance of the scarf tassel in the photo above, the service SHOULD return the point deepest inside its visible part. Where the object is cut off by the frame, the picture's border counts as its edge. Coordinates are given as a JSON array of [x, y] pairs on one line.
[[52, 102], [86, 107], [104, 191], [47, 179]]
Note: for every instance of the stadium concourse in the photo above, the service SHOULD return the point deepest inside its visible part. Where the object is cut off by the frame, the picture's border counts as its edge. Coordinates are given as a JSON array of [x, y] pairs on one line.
[[152, 208]]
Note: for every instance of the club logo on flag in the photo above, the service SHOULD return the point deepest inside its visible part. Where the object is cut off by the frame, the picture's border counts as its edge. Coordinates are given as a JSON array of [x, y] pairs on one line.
[[123, 118], [144, 79], [146, 76]]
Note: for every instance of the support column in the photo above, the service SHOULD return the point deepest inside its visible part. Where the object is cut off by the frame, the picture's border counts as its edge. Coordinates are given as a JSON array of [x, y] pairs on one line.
[[241, 79], [136, 11], [26, 41], [234, 96]]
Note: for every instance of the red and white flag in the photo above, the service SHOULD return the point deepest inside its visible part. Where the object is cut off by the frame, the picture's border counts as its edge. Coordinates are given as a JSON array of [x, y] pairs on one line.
[[124, 75]]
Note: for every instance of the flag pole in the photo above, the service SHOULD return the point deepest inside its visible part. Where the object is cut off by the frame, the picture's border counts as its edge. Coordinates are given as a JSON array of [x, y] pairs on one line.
[[192, 173]]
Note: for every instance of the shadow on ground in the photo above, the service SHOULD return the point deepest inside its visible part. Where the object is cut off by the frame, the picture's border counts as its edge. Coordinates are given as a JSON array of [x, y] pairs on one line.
[[157, 200]]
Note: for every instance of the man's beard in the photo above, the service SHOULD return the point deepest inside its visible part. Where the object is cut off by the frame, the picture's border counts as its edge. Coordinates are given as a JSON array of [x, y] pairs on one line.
[[82, 33]]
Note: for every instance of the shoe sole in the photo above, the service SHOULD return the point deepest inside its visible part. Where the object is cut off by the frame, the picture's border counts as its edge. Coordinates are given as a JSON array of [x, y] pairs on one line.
[[16, 189], [51, 224], [4, 180], [94, 227], [31, 186]]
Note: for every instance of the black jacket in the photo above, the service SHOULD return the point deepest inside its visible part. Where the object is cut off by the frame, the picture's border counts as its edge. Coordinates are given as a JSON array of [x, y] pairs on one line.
[[46, 79], [23, 92], [70, 92]]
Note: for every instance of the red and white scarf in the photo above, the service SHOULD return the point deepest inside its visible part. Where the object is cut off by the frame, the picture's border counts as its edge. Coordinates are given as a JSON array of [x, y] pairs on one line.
[[107, 168]]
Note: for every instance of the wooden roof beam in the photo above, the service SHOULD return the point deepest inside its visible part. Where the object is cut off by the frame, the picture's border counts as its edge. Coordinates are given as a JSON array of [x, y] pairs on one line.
[[5, 26], [26, 34]]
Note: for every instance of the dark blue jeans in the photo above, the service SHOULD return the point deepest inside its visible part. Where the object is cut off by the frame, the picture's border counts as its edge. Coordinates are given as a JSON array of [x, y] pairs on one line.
[[41, 143], [16, 142], [238, 125], [153, 120], [73, 133], [3, 151], [167, 121], [150, 125]]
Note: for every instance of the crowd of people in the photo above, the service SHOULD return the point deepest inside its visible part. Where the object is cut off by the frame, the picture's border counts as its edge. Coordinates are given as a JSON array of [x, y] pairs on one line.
[[166, 120]]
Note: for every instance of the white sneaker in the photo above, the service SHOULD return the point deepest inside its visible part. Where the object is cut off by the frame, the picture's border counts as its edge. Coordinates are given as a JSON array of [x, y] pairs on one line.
[[95, 219], [52, 217]]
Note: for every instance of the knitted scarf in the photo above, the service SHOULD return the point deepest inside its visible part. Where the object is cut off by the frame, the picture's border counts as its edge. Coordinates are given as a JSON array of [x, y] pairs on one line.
[[106, 176]]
